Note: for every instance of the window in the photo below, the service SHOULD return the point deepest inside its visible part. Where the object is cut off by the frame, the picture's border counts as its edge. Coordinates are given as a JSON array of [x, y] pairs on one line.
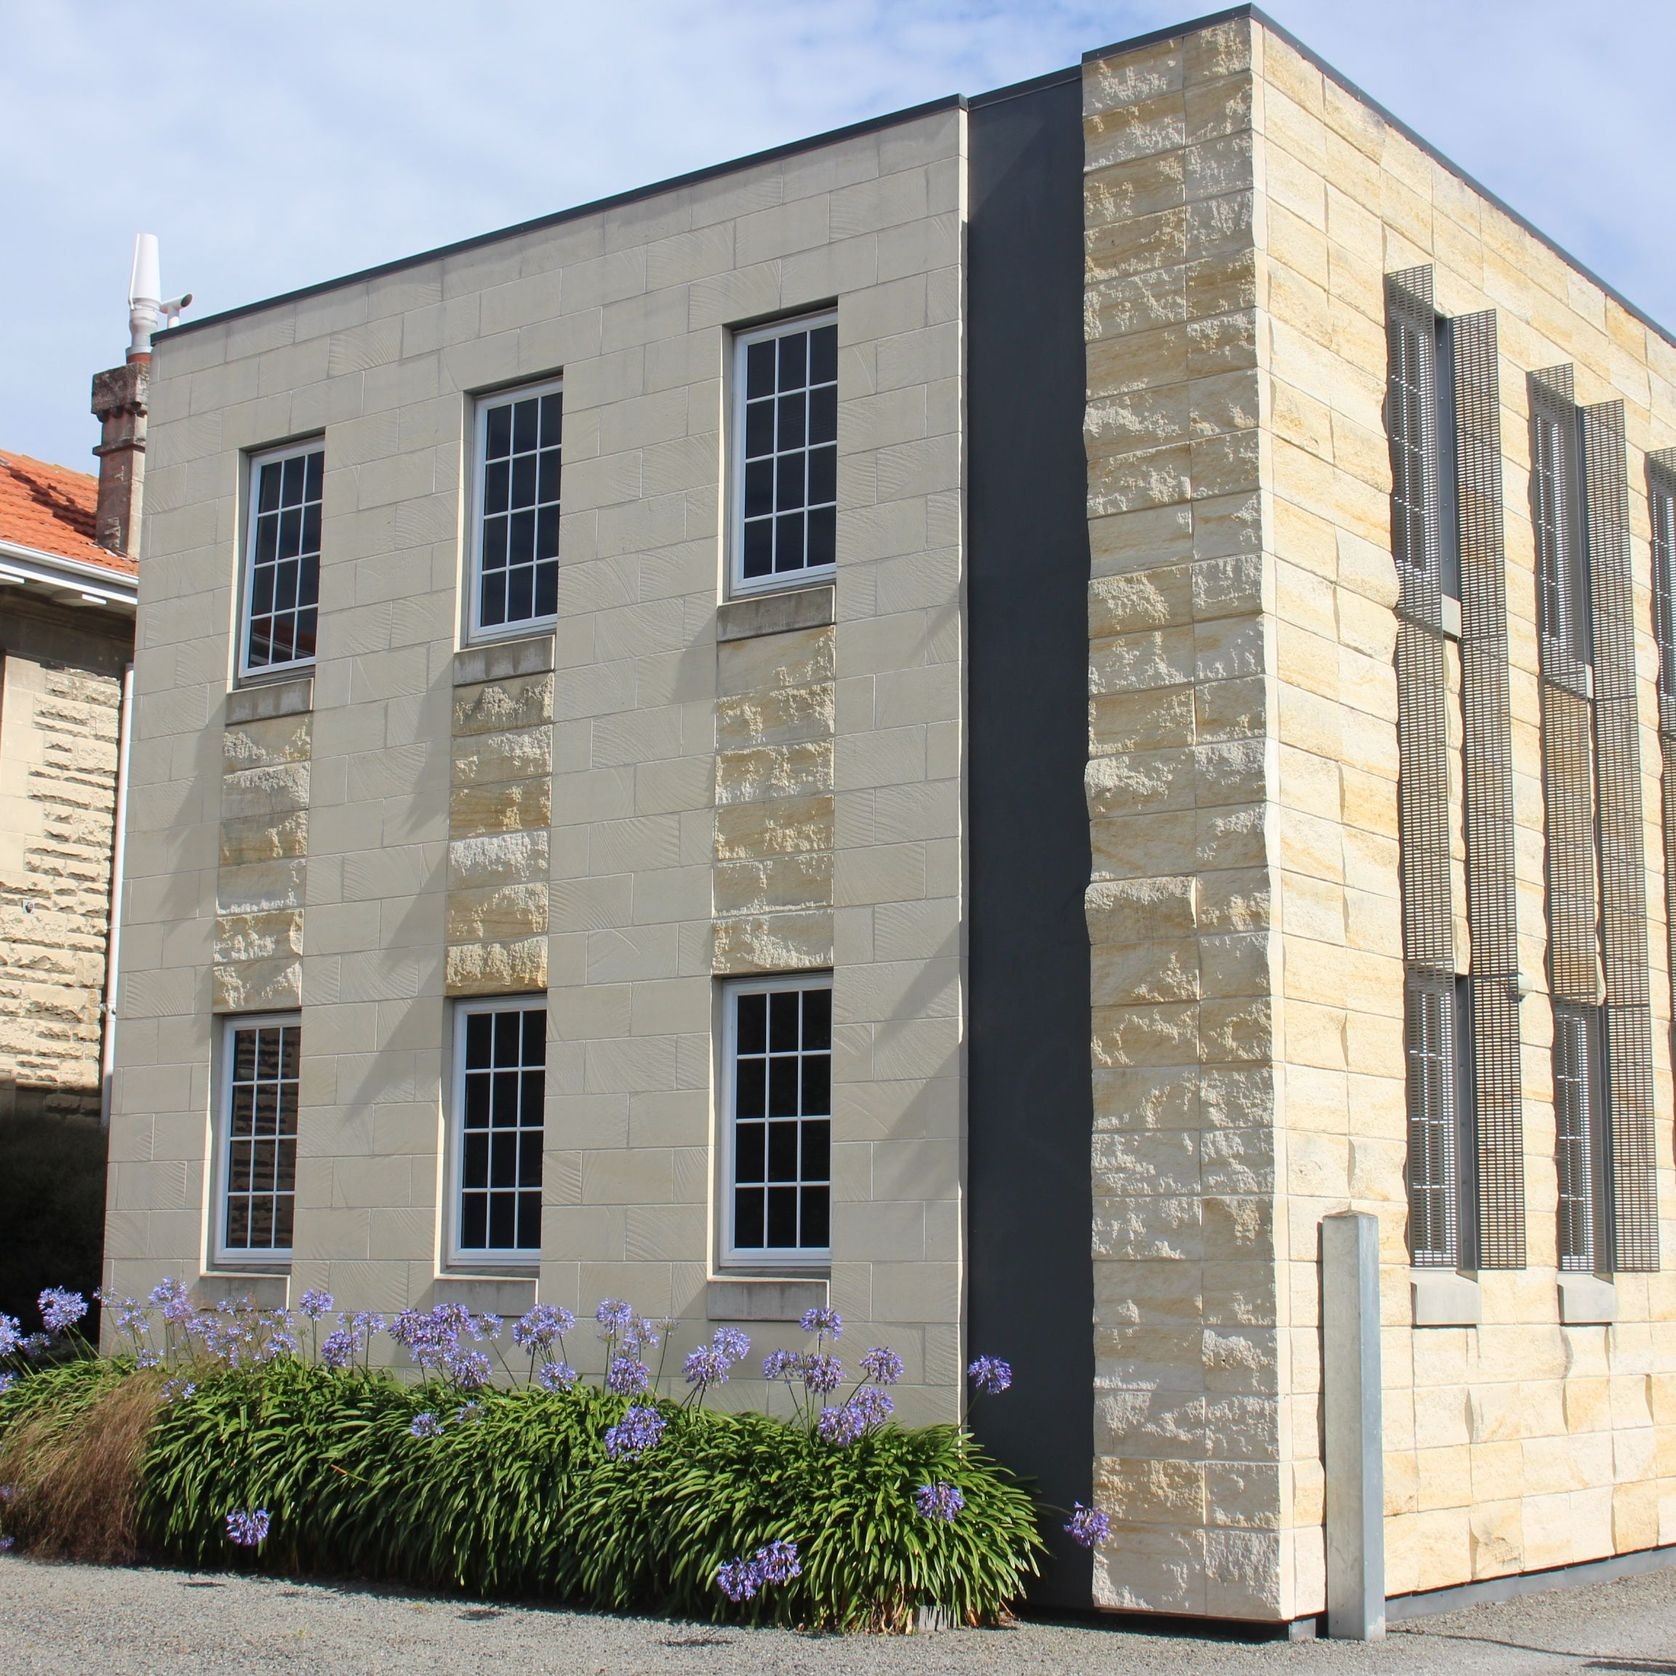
[[258, 1150], [500, 1086], [282, 559], [777, 1120], [1578, 1128], [1661, 506], [1421, 417], [1441, 1146], [515, 540], [1561, 563], [785, 442]]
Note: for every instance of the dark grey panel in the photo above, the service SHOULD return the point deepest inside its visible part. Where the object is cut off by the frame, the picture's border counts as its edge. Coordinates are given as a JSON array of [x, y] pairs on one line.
[[1030, 1101]]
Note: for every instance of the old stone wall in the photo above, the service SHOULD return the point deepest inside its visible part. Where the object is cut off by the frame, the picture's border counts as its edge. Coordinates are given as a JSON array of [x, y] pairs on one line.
[[620, 810], [60, 692]]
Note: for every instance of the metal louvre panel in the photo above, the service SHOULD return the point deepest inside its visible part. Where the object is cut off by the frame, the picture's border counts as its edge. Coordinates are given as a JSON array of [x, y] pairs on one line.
[[1631, 1177], [1568, 791], [1492, 905]]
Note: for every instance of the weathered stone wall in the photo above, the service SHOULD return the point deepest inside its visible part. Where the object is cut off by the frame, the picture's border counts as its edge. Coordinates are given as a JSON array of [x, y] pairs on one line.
[[602, 815], [1187, 845], [60, 693], [1519, 1443]]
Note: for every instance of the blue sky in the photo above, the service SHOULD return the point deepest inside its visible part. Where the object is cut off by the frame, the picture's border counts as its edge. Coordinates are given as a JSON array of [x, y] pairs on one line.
[[272, 145]]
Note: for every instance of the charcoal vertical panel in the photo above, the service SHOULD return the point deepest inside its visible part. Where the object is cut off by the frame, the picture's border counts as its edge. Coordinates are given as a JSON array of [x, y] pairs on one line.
[[1623, 869], [1492, 902], [1030, 1094]]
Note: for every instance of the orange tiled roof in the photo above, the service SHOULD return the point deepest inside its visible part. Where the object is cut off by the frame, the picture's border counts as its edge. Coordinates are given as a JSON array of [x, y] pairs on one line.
[[51, 508]]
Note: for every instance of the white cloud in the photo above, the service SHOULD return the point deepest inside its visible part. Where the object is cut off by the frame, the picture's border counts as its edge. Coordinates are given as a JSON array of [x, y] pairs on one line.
[[272, 145]]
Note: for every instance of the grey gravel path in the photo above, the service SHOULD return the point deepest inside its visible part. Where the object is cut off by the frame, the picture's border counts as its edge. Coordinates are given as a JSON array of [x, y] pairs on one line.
[[70, 1618]]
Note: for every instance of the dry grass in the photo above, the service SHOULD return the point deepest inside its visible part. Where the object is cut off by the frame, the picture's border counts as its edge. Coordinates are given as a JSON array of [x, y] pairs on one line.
[[75, 1474]]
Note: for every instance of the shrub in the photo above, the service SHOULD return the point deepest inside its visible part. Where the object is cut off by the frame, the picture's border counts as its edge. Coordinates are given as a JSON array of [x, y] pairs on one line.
[[245, 1436]]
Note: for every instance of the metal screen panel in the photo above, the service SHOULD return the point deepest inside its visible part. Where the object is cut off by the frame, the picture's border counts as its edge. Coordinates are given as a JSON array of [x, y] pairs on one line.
[[1492, 901], [1632, 1178]]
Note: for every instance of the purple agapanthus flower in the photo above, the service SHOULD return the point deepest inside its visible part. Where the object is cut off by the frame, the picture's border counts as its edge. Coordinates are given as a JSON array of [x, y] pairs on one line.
[[782, 1364], [555, 1376], [470, 1369], [425, 1424], [615, 1315], [7, 1381], [367, 1324], [882, 1365], [315, 1303], [7, 1544], [840, 1425], [11, 1333], [706, 1367], [248, 1529], [628, 1376], [35, 1344], [178, 1390], [7, 1491], [61, 1309], [739, 1580], [340, 1348], [822, 1373], [777, 1562], [542, 1327], [1088, 1525], [638, 1431], [939, 1501], [730, 1343], [828, 1323], [991, 1375], [149, 1359]]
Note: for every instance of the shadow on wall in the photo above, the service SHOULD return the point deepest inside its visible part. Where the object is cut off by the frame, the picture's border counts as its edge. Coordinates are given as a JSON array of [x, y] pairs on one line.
[[52, 1203]]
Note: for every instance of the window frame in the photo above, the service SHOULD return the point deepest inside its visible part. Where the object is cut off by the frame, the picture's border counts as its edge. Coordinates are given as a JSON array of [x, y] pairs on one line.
[[223, 1255], [1593, 1253], [254, 460], [732, 1258], [739, 586], [482, 404], [456, 1254], [1562, 549], [1661, 519], [1450, 998], [1432, 509]]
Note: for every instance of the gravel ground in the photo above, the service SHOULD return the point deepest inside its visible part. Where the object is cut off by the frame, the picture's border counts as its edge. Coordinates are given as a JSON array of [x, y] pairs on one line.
[[121, 1622]]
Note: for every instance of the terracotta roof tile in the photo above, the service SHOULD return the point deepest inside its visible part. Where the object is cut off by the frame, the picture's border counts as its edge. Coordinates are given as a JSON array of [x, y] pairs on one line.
[[51, 508]]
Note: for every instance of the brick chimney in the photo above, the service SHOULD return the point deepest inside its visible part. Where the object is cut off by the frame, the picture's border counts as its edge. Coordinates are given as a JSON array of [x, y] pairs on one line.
[[119, 404]]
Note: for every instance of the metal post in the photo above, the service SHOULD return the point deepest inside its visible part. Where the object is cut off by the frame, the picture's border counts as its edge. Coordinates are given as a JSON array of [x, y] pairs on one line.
[[1352, 1422]]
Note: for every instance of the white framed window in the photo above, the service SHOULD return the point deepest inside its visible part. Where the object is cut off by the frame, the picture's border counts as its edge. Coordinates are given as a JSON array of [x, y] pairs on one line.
[[784, 480], [280, 588], [256, 1151], [1562, 563], [499, 1093], [1579, 1125], [517, 454], [1442, 1187], [1661, 508], [776, 1106]]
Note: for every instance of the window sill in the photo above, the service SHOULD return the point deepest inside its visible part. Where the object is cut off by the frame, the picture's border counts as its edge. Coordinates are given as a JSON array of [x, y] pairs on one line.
[[292, 695], [814, 605], [500, 660], [1587, 1300], [1443, 1298], [742, 1299]]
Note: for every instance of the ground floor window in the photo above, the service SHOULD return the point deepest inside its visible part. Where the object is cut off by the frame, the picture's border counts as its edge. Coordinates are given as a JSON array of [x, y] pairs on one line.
[[500, 1089], [776, 1104], [258, 1150]]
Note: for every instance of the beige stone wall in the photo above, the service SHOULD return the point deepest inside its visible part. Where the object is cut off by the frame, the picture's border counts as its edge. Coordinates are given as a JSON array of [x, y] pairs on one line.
[[1520, 1443], [624, 810], [60, 692]]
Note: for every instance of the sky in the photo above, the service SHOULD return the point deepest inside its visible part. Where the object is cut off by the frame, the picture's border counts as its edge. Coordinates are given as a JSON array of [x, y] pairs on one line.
[[272, 145]]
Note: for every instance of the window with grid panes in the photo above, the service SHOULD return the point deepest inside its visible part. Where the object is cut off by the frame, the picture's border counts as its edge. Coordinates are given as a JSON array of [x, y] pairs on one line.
[[515, 568], [282, 559], [259, 1136], [1661, 505], [1577, 1124], [1562, 569], [777, 1101], [1441, 1187], [785, 441], [500, 1085]]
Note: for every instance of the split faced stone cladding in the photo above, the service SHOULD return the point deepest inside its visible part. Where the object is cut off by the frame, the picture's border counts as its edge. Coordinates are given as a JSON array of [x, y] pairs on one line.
[[1244, 913], [644, 810], [60, 689]]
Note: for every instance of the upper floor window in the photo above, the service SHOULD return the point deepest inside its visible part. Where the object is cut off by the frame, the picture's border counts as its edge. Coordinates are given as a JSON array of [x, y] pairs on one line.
[[1441, 1196], [1420, 416], [1661, 505], [514, 582], [282, 559], [257, 1164], [1561, 552], [777, 1120], [785, 446], [500, 1089]]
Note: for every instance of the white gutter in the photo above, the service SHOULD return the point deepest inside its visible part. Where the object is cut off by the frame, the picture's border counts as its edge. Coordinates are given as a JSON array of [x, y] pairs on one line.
[[113, 935], [92, 582]]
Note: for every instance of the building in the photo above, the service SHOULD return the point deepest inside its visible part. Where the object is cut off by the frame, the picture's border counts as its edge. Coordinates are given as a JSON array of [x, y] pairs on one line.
[[1037, 671]]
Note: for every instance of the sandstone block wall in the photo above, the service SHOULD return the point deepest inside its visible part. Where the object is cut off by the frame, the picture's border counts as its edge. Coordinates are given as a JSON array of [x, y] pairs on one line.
[[628, 808], [60, 692]]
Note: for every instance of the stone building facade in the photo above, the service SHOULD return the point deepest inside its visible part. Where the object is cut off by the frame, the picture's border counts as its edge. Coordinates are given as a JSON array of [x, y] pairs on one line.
[[1098, 794]]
